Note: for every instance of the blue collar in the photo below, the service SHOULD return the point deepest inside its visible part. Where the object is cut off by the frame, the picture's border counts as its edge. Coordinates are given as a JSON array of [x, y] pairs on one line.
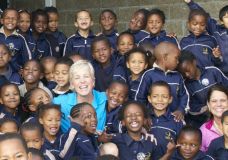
[[129, 140], [91, 35]]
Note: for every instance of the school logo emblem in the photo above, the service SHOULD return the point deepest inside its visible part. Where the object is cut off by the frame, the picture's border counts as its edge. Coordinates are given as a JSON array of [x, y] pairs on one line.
[[168, 136], [11, 48], [177, 90], [57, 49], [205, 50], [143, 156], [205, 82]]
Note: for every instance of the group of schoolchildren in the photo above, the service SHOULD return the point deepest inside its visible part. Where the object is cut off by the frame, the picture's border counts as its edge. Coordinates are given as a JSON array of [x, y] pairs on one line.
[[156, 87]]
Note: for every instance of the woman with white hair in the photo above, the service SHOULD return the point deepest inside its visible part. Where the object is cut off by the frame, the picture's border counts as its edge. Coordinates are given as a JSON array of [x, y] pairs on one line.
[[82, 81]]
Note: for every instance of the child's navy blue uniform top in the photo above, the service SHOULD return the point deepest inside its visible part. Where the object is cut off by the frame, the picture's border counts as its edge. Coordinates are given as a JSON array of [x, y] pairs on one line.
[[138, 35], [217, 149], [112, 123], [130, 149], [198, 89], [133, 86], [201, 46], [48, 155], [55, 145], [30, 42], [199, 156], [221, 35], [173, 78], [164, 128], [156, 39], [5, 114], [61, 38], [12, 76], [41, 46], [82, 146], [112, 37], [78, 44], [54, 45], [19, 50], [121, 70], [104, 76]]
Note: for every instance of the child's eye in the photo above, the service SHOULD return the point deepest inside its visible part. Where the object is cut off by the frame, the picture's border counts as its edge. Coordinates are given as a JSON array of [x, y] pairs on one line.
[[193, 145]]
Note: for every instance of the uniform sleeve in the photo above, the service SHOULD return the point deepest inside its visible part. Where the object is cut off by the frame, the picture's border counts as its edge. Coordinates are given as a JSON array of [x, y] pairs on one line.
[[68, 49], [211, 23], [143, 89], [212, 149], [183, 97], [24, 53], [68, 142], [220, 77]]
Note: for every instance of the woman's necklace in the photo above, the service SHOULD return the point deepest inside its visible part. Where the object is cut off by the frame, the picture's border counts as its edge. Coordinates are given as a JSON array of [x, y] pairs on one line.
[[217, 128]]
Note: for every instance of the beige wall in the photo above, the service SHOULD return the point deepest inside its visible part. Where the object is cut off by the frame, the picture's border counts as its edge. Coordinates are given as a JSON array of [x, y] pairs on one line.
[[176, 11]]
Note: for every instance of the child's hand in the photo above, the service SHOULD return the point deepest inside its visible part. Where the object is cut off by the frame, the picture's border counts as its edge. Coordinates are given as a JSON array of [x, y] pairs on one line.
[[148, 136], [216, 52], [148, 124], [172, 35], [104, 137], [171, 146], [187, 1], [178, 116]]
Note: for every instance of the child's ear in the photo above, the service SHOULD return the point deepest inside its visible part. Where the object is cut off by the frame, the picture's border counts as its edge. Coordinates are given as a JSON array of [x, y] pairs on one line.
[[165, 57], [123, 123], [41, 75], [221, 22], [208, 106], [148, 98], [106, 91], [42, 141], [1, 21], [32, 108], [91, 23], [76, 24], [146, 66], [170, 99], [41, 121], [1, 102], [127, 64]]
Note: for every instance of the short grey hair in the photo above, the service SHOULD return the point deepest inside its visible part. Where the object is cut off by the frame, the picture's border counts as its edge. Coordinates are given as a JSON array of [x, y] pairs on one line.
[[81, 65]]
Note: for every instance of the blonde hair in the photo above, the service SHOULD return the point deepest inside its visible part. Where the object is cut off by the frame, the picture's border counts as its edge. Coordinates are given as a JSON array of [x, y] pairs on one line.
[[81, 65]]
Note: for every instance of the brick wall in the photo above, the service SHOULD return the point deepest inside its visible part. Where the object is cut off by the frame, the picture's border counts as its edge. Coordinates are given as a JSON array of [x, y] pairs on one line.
[[176, 11]]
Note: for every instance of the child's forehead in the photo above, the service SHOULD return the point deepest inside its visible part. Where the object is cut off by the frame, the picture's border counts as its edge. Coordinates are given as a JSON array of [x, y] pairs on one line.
[[198, 17], [10, 12], [189, 135], [32, 64], [39, 91], [83, 14], [107, 13], [160, 88], [62, 66], [138, 14], [118, 86], [87, 109], [133, 108], [155, 16], [10, 87], [126, 36]]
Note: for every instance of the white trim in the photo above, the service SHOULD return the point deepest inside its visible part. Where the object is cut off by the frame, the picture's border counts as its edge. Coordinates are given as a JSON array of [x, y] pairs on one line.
[[165, 129], [68, 142], [196, 45]]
